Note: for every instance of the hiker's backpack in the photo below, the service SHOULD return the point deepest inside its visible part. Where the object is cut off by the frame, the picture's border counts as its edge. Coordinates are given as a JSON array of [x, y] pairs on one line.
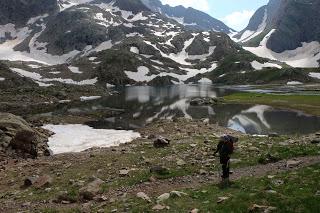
[[227, 145]]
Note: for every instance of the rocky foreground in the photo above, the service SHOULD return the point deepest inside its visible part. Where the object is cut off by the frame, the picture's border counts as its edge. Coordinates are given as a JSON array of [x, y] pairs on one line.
[[170, 159]]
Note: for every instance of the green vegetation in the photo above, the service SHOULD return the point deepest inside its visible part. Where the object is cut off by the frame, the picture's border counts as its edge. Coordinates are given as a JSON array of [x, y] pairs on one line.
[[307, 103], [296, 191]]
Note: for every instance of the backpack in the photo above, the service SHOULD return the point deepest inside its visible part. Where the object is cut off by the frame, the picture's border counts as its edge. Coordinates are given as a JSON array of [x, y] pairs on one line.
[[227, 147]]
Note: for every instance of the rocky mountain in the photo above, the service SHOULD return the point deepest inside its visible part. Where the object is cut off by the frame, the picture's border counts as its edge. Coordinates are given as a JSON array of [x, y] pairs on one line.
[[285, 30], [189, 17], [117, 42]]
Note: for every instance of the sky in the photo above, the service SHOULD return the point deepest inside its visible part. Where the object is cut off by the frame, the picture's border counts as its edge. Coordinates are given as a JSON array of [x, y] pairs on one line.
[[234, 13]]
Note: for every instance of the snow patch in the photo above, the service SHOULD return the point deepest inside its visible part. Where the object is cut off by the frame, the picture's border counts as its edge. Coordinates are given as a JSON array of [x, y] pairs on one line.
[[294, 83], [74, 69], [89, 98], [314, 75], [259, 66], [77, 137], [134, 50], [305, 56], [205, 81], [40, 80]]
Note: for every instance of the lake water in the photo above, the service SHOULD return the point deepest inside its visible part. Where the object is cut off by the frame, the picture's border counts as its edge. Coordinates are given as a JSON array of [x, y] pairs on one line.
[[144, 104]]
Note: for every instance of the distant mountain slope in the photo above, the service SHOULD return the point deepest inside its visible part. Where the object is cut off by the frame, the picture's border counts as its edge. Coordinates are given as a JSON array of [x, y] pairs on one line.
[[118, 42], [285, 30], [189, 17]]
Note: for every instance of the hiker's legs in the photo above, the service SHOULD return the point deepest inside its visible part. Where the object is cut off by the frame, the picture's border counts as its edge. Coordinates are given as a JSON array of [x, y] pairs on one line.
[[225, 170]]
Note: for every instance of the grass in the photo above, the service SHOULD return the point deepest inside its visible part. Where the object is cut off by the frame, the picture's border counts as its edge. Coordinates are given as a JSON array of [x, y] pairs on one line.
[[296, 194], [307, 103]]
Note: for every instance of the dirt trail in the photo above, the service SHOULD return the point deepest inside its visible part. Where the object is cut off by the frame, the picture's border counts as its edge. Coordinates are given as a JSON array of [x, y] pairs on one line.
[[162, 186]]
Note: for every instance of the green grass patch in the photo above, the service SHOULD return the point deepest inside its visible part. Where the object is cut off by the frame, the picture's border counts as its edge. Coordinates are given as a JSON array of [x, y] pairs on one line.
[[307, 103]]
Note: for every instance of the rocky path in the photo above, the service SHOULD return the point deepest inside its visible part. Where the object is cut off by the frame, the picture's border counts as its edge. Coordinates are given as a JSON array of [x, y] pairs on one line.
[[158, 187], [161, 186]]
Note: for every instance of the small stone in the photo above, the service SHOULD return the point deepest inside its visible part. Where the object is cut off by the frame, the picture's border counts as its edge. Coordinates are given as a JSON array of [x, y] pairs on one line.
[[266, 209], [26, 204], [29, 181], [161, 142], [278, 182], [271, 191], [203, 172], [177, 194], [317, 193], [293, 163], [43, 181], [124, 172], [194, 211], [181, 162], [163, 197], [158, 207], [315, 141], [222, 199], [144, 196], [91, 190], [254, 149]]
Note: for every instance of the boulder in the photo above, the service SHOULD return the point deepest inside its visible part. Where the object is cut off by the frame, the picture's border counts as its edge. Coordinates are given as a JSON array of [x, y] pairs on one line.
[[161, 142], [17, 134]]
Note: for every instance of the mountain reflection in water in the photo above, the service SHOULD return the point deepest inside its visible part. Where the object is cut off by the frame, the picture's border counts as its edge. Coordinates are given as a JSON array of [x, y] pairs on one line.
[[143, 104]]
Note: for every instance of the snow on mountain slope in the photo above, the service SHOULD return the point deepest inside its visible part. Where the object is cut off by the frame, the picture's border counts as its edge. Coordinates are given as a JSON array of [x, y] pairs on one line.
[[247, 35], [307, 55]]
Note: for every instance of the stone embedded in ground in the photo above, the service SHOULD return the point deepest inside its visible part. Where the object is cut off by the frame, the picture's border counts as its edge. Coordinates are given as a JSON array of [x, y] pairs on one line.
[[293, 163], [315, 141], [203, 172], [222, 199], [177, 194], [181, 162], [195, 211], [265, 209], [159, 207], [278, 182], [89, 191], [163, 197], [29, 181], [124, 172], [161, 142], [144, 196], [254, 149], [43, 181]]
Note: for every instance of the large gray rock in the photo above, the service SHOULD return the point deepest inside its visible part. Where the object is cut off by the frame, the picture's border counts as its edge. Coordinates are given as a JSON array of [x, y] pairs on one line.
[[17, 134]]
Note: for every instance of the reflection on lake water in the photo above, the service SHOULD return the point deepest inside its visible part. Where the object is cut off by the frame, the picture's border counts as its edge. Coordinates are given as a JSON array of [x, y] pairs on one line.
[[144, 104]]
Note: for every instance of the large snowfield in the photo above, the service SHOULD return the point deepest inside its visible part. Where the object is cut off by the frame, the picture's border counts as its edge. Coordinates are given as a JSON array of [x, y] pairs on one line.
[[78, 138]]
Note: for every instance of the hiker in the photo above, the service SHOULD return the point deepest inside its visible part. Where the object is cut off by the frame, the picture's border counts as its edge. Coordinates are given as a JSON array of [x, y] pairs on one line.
[[225, 149]]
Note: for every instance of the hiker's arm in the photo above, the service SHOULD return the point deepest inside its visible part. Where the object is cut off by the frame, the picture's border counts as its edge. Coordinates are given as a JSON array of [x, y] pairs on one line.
[[218, 148]]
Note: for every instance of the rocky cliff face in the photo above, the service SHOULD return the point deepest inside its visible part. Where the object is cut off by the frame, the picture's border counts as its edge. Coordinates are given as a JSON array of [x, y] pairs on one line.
[[20, 11], [285, 25], [191, 18]]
